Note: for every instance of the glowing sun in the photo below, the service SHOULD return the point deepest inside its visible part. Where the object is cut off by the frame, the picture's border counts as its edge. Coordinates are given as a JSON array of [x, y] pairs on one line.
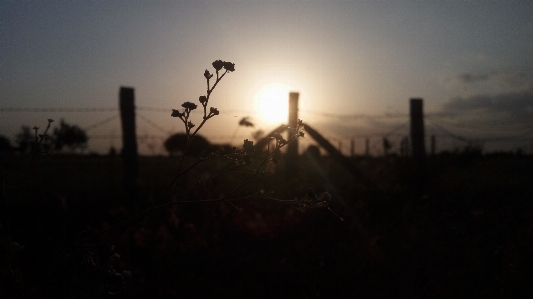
[[271, 102]]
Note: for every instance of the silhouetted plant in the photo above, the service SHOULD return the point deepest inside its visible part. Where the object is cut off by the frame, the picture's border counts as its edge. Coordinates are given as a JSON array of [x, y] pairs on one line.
[[250, 162], [34, 142], [9, 248], [70, 136]]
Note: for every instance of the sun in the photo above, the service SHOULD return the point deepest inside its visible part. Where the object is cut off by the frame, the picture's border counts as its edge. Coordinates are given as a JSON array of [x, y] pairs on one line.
[[272, 103]]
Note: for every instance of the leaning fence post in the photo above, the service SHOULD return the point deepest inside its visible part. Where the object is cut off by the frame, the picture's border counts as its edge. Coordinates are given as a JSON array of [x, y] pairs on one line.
[[129, 147]]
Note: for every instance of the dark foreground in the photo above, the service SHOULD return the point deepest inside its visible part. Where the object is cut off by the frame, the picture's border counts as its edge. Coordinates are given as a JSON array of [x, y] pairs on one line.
[[468, 235]]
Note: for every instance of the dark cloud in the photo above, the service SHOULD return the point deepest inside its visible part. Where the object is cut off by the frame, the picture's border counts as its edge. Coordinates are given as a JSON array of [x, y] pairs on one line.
[[517, 80], [506, 102], [500, 110], [496, 98]]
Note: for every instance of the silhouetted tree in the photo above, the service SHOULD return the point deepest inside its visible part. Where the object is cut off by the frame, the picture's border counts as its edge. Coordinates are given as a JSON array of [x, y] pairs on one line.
[[24, 140], [5, 145], [176, 144], [312, 151], [70, 136]]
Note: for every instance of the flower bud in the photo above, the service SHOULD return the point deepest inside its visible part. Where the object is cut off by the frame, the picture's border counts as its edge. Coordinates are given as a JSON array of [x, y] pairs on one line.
[[207, 74], [176, 113], [189, 105], [214, 111], [218, 64], [230, 67]]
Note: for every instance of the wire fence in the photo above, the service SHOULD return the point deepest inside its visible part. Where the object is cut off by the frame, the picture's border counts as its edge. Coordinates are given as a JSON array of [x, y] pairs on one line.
[[450, 132]]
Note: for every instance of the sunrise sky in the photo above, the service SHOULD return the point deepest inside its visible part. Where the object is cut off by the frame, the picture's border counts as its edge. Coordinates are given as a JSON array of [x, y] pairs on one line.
[[471, 62]]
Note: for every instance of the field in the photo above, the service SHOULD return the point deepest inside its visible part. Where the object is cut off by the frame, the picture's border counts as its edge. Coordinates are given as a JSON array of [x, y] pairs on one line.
[[468, 233]]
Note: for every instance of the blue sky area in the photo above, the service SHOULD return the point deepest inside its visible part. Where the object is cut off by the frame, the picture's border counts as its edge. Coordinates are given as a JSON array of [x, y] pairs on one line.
[[471, 62]]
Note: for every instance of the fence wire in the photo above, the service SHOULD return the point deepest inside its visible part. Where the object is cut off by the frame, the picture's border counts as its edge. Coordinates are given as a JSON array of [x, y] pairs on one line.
[[440, 121]]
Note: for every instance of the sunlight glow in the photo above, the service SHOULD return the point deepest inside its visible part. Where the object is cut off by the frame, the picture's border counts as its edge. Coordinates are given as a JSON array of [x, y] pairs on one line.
[[271, 103]]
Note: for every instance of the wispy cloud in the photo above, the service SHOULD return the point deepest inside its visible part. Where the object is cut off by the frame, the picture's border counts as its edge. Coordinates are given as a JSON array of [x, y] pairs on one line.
[[495, 105], [508, 81], [515, 103], [497, 96]]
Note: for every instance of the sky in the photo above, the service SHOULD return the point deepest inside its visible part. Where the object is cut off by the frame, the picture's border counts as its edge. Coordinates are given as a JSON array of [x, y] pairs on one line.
[[355, 65]]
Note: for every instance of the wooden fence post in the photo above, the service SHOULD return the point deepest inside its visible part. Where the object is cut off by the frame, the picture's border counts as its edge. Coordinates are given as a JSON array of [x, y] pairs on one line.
[[129, 141], [292, 147]]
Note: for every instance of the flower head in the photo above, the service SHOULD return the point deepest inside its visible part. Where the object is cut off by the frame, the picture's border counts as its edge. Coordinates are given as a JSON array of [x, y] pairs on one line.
[[214, 111], [189, 105], [230, 67], [176, 113], [50, 120], [218, 64], [190, 125], [207, 75], [202, 99]]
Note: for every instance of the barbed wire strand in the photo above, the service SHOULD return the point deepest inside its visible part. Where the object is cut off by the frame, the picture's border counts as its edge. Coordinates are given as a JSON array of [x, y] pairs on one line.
[[101, 123], [436, 119], [153, 124], [454, 136]]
